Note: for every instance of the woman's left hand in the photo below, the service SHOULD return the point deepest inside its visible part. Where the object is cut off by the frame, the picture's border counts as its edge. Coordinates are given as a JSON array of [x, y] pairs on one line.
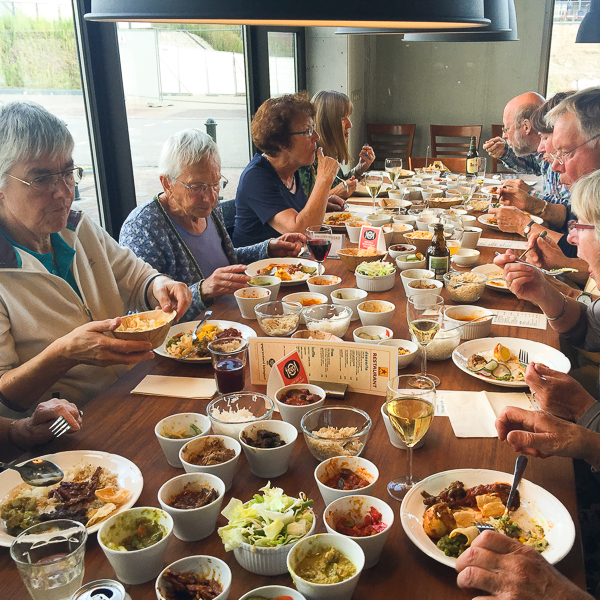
[[335, 203], [171, 295], [365, 159], [289, 244]]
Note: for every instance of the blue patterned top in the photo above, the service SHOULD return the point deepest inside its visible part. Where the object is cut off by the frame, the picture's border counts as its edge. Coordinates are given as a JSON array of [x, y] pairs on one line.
[[149, 232]]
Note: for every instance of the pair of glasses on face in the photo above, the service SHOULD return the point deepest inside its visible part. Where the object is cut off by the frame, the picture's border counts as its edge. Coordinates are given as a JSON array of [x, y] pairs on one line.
[[577, 226], [562, 156], [48, 183], [307, 132], [197, 189]]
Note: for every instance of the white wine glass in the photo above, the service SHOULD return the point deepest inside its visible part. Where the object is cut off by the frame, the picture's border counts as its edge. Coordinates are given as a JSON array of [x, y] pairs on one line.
[[410, 405], [467, 186], [425, 313], [393, 167], [373, 180]]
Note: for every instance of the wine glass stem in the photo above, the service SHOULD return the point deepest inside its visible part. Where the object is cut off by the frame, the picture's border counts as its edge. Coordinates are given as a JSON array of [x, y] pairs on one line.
[[409, 480], [424, 360]]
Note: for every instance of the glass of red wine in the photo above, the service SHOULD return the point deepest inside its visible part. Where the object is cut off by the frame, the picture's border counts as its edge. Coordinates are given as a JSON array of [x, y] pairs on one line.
[[318, 245], [229, 356]]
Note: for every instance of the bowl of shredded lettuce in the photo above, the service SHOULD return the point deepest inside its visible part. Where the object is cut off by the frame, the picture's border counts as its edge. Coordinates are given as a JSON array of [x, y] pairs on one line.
[[376, 276], [262, 531]]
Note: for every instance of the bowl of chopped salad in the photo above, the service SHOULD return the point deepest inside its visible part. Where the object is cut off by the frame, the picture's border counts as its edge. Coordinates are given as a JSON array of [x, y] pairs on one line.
[[377, 276], [262, 531]]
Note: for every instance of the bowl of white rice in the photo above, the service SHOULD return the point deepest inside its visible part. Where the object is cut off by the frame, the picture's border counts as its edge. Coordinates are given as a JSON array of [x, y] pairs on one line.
[[328, 318], [230, 413]]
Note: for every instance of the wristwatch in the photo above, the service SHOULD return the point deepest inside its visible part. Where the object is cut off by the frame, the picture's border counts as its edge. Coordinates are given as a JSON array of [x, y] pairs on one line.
[[528, 228], [584, 298]]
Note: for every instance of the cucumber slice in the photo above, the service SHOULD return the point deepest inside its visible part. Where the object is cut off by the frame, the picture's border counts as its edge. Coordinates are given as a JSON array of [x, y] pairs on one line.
[[491, 366], [502, 373]]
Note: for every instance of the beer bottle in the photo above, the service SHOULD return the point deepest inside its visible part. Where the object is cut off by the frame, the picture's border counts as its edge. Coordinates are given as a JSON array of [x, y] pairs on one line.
[[438, 255], [472, 155]]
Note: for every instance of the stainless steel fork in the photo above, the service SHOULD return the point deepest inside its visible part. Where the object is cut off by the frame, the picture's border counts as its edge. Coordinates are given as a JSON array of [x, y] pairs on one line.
[[61, 426], [524, 357]]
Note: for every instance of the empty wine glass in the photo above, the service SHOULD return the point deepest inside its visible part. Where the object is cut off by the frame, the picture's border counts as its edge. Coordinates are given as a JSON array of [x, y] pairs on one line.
[[410, 405], [373, 180], [393, 167], [467, 186]]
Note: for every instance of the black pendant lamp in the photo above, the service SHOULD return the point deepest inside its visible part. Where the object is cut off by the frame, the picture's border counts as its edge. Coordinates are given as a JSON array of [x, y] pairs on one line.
[[410, 15], [589, 30]]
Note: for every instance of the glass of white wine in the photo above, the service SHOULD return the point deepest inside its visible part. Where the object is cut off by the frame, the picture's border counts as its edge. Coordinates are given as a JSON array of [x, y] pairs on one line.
[[425, 313], [373, 180], [393, 167], [410, 405]]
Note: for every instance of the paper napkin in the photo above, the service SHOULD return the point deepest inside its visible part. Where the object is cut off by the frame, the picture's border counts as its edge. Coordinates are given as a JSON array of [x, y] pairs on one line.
[[176, 387]]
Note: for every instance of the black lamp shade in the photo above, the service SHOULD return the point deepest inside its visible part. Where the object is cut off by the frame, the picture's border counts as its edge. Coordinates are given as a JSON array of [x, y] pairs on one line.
[[589, 30]]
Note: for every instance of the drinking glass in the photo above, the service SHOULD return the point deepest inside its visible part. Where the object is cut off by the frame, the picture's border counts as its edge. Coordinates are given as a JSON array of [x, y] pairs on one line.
[[467, 185], [318, 245], [393, 167], [229, 356], [373, 180], [481, 167], [410, 405], [425, 313]]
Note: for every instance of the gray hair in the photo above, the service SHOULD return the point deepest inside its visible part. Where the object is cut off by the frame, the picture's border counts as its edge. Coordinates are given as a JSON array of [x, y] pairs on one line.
[[28, 132], [184, 148], [585, 199], [524, 112], [585, 105]]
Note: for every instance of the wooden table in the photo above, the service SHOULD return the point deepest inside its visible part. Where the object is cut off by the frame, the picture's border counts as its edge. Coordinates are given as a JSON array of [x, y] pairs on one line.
[[123, 424]]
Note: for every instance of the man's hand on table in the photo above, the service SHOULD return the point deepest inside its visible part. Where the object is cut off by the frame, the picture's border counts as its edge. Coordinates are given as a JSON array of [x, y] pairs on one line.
[[288, 244], [225, 280], [510, 219], [509, 570]]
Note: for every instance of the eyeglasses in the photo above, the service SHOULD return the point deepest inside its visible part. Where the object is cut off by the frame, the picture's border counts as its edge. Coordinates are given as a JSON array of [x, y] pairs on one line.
[[47, 183], [571, 225], [561, 157], [307, 132], [197, 189]]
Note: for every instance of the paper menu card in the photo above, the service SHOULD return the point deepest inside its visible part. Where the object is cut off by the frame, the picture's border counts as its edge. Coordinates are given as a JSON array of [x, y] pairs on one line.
[[515, 318], [176, 387], [506, 244], [364, 368]]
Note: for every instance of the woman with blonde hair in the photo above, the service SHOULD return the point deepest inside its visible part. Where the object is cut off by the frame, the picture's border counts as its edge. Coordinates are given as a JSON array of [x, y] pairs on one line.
[[332, 118]]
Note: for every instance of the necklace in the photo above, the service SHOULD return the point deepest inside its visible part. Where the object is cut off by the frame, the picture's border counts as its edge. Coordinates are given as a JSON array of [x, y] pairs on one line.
[[291, 186]]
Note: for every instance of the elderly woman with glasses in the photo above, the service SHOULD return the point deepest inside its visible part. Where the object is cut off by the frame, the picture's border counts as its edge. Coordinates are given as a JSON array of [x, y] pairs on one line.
[[64, 282], [181, 233], [270, 199], [576, 320]]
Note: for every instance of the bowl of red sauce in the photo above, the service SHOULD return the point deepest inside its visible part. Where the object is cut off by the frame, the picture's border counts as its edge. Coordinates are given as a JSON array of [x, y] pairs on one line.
[[343, 476], [294, 401]]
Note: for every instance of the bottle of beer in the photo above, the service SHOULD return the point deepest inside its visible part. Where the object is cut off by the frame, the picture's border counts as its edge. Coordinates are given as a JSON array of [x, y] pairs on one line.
[[438, 255], [472, 155]]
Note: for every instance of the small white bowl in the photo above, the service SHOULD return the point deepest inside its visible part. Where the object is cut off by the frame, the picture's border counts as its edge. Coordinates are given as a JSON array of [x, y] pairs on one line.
[[293, 414], [414, 273], [175, 423], [248, 298], [414, 193], [409, 249], [269, 462], [430, 193], [377, 220], [423, 223], [206, 567], [268, 282], [223, 471], [405, 265], [412, 289], [192, 524], [448, 228], [394, 438], [326, 591], [300, 296], [273, 591], [468, 220], [381, 312], [405, 220], [470, 331], [384, 333], [398, 231], [351, 298], [357, 507], [375, 284], [403, 359], [136, 566], [353, 233], [393, 195], [331, 467], [334, 283], [466, 257]]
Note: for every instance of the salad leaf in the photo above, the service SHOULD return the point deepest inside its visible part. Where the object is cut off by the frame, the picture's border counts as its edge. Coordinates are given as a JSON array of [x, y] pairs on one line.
[[377, 268]]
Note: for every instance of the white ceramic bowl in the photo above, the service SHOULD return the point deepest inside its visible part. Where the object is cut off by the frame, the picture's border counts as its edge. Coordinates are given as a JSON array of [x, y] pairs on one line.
[[376, 312], [328, 591], [192, 524], [293, 414], [353, 233], [398, 231], [334, 282], [466, 257], [377, 220], [394, 438], [403, 359], [357, 507], [423, 223], [412, 287], [303, 296], [404, 265], [395, 252], [405, 220], [328, 318], [448, 229], [136, 566], [267, 282], [458, 316], [223, 471], [414, 273], [384, 333], [375, 284], [414, 193], [331, 468], [269, 462], [350, 297], [273, 591], [431, 192], [173, 424], [206, 567], [468, 220], [248, 298]]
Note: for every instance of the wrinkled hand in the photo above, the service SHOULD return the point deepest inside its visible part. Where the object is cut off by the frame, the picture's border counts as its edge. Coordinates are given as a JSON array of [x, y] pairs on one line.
[[514, 192], [340, 189], [510, 219], [524, 281], [495, 147], [35, 430], [544, 252], [509, 570], [558, 393], [327, 167], [365, 159], [224, 280], [334, 203], [288, 244], [171, 295]]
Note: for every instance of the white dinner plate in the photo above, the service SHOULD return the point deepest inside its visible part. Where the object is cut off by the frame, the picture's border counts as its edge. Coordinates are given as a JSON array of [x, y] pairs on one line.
[[129, 477], [539, 353], [488, 270], [342, 227], [484, 219], [247, 332], [536, 503], [253, 268]]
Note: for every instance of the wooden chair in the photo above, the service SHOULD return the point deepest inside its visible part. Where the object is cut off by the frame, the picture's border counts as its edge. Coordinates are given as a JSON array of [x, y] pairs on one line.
[[457, 147], [455, 164], [390, 141]]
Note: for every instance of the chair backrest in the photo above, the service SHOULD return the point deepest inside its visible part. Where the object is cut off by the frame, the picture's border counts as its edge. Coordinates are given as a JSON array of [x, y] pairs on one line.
[[459, 146], [390, 141], [496, 132], [455, 164]]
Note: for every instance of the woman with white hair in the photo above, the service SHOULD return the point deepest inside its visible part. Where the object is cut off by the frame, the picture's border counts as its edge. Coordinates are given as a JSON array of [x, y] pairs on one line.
[[64, 282], [181, 233]]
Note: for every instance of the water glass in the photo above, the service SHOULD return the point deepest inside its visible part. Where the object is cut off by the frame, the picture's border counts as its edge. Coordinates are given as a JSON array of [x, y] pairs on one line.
[[481, 167]]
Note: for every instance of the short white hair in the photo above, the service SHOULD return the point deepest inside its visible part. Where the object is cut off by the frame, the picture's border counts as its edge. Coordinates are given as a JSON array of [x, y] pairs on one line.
[[585, 199], [28, 132], [184, 148], [585, 105]]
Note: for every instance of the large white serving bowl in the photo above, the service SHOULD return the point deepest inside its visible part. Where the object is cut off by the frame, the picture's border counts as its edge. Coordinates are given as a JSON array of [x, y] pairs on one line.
[[326, 591], [357, 507], [192, 524], [332, 466], [293, 414], [350, 297], [173, 424]]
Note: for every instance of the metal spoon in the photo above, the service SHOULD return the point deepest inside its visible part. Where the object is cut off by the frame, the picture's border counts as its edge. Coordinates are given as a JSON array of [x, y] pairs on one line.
[[38, 472]]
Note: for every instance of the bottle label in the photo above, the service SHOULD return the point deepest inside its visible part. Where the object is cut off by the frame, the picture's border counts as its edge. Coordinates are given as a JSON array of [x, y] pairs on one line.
[[439, 265], [471, 165]]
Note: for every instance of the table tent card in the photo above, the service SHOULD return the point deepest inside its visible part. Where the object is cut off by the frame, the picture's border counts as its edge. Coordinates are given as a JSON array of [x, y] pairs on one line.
[[288, 370], [372, 237]]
